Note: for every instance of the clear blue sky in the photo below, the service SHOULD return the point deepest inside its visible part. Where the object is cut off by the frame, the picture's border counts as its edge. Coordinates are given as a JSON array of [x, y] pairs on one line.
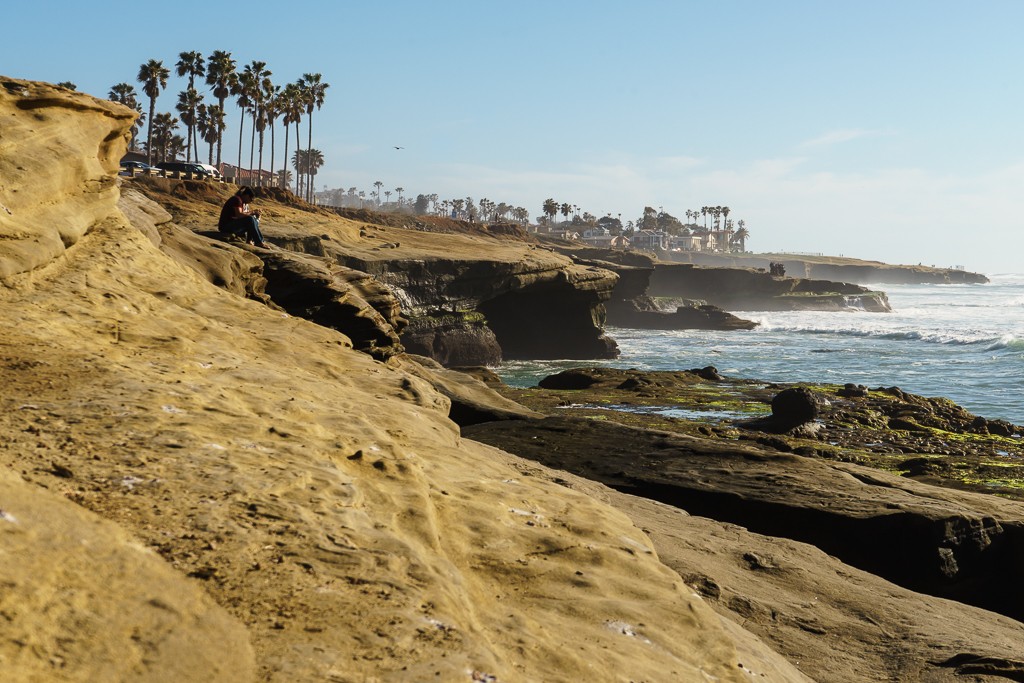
[[876, 129]]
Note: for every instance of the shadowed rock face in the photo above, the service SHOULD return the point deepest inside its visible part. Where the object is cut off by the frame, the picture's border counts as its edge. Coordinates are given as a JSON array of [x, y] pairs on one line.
[[750, 290], [337, 297], [542, 306], [963, 546], [453, 339], [630, 306]]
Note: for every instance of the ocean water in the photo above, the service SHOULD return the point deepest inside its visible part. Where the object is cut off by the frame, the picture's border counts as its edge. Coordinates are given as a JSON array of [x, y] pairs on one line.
[[964, 342]]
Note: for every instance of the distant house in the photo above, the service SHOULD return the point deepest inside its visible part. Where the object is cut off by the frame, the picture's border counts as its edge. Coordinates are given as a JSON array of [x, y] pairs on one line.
[[650, 240], [686, 243], [721, 240], [245, 176], [570, 235], [598, 237]]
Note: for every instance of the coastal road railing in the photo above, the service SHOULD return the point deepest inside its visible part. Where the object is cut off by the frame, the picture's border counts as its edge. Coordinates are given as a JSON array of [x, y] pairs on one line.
[[175, 175]]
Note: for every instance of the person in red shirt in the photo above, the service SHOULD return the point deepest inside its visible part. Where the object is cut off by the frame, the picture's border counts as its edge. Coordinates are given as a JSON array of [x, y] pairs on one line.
[[236, 218]]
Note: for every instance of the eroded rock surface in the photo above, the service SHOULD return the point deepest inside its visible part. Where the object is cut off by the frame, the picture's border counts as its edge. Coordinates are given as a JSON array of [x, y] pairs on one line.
[[321, 498]]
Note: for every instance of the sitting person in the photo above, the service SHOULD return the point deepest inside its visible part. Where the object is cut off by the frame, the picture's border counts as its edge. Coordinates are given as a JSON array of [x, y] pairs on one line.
[[236, 218]]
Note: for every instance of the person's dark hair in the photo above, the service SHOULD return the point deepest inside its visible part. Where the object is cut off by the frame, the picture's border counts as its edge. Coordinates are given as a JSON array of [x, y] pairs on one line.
[[247, 191]]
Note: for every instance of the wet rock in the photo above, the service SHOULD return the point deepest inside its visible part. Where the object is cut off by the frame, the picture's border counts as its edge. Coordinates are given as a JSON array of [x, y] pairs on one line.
[[569, 379], [791, 408], [850, 390], [709, 373]]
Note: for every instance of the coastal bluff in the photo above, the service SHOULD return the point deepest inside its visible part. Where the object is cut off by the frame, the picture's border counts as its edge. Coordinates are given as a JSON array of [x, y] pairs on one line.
[[201, 486], [240, 464], [823, 267]]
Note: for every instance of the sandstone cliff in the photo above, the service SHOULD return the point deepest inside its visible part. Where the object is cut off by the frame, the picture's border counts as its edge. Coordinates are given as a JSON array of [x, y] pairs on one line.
[[200, 486]]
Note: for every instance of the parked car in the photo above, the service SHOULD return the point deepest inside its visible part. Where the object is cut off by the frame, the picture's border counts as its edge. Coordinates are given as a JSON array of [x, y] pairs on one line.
[[134, 168], [212, 170], [195, 169]]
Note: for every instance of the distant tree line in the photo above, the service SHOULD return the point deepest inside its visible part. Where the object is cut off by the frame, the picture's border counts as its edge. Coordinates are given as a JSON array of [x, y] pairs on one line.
[[261, 103], [652, 219], [424, 204]]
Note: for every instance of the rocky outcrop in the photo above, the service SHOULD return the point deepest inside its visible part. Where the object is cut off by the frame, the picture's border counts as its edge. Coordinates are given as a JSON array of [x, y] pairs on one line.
[[753, 290], [956, 545], [468, 298], [44, 213], [253, 460], [834, 268], [340, 298], [472, 401], [630, 306], [644, 313], [833, 621], [235, 270], [453, 339], [538, 307]]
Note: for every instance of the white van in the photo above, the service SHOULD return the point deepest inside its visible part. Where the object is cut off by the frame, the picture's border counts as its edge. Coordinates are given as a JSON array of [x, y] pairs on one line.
[[212, 170]]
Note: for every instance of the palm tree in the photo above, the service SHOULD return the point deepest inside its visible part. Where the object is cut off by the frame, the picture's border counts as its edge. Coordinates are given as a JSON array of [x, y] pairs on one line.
[[550, 208], [387, 197], [741, 235], [566, 209], [315, 159], [221, 76], [190, 64], [271, 101], [378, 185], [726, 227], [124, 93], [153, 76], [314, 91], [284, 178], [243, 89], [255, 81], [290, 107], [399, 190], [162, 136], [188, 102], [204, 128]]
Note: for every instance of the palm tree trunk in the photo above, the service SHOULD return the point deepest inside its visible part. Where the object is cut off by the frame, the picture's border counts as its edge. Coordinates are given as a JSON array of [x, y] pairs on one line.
[[220, 131], [260, 157], [241, 128], [252, 147], [281, 183], [298, 173], [309, 166], [271, 154], [149, 131]]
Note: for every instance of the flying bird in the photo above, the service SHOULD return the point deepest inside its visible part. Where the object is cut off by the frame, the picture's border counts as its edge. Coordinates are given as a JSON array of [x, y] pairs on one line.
[[397, 147]]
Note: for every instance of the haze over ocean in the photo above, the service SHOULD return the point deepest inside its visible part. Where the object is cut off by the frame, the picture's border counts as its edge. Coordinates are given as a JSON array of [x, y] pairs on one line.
[[964, 342]]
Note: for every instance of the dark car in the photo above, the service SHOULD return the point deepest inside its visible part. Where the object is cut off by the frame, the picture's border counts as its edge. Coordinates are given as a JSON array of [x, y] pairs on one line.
[[184, 167], [134, 168]]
